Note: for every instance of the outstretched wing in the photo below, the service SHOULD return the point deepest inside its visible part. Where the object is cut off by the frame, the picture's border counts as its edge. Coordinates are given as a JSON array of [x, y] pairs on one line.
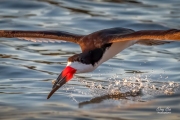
[[147, 37], [41, 36]]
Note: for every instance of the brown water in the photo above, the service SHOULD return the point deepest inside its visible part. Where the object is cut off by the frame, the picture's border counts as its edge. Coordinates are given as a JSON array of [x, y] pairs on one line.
[[26, 68]]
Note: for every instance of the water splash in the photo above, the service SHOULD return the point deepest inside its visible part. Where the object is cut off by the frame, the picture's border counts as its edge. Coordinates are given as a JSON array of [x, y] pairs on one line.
[[136, 88]]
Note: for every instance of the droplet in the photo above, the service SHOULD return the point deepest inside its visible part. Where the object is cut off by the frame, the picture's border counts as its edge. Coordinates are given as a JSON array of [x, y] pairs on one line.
[[171, 83]]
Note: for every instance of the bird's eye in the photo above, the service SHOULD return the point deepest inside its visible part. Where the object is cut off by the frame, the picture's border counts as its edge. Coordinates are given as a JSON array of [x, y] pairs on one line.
[[82, 60]]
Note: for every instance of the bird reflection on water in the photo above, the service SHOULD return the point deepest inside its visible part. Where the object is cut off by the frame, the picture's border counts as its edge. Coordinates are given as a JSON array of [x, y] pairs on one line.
[[117, 96]]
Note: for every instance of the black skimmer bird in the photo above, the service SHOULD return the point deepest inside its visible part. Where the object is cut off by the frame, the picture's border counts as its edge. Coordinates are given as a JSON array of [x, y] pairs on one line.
[[96, 47]]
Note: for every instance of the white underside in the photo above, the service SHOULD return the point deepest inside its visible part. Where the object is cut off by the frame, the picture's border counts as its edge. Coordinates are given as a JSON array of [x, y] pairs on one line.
[[115, 49], [109, 53]]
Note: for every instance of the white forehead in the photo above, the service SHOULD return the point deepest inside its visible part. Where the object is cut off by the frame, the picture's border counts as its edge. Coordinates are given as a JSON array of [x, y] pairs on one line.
[[80, 67]]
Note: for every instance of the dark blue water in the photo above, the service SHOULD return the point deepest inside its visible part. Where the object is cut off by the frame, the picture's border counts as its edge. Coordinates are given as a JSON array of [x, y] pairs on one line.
[[27, 68]]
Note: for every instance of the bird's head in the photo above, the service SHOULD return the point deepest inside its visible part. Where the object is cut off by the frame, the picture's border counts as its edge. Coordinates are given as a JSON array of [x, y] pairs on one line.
[[75, 65]]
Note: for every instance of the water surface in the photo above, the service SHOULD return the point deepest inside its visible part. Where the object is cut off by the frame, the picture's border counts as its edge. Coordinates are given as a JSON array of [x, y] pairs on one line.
[[27, 68]]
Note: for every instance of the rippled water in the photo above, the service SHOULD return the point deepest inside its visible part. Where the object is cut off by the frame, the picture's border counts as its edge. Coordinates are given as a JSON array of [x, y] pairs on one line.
[[26, 68]]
